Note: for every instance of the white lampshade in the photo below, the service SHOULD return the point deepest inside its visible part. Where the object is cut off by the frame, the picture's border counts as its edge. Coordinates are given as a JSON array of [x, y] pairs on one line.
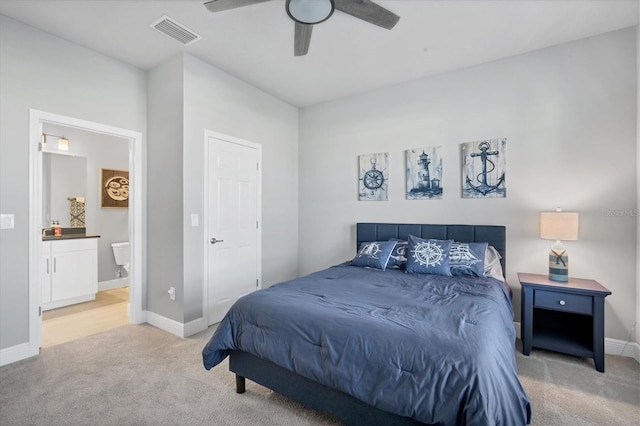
[[559, 225]]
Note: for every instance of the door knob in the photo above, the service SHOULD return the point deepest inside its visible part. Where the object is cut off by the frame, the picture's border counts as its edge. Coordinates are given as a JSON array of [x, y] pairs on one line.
[[214, 240]]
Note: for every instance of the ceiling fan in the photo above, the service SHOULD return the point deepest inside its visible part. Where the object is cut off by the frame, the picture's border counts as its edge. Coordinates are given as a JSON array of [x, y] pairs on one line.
[[307, 13]]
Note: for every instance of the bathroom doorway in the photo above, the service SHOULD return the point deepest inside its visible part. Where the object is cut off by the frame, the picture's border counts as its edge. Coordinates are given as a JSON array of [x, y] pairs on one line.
[[43, 122], [72, 189]]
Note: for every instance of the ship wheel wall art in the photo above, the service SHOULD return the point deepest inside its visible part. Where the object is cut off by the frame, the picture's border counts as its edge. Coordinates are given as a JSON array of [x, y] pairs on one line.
[[373, 177], [483, 168]]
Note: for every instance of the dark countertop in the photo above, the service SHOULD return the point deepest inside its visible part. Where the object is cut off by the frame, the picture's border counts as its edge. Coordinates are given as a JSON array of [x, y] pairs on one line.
[[67, 234], [68, 237]]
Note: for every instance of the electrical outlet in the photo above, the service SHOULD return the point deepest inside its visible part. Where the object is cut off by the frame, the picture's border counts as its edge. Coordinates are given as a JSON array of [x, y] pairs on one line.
[[172, 293]]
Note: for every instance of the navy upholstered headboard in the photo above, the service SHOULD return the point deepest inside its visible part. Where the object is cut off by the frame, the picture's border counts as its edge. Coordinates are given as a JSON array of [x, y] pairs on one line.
[[494, 235]]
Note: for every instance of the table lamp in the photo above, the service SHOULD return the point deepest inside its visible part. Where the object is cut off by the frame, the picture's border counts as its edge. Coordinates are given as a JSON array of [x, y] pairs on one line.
[[559, 226]]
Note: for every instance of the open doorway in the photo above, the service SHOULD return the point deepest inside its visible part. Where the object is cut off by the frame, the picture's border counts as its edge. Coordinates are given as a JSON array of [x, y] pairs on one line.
[[42, 123], [86, 283]]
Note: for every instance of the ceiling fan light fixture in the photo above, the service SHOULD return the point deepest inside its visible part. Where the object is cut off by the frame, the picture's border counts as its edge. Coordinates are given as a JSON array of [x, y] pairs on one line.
[[310, 12]]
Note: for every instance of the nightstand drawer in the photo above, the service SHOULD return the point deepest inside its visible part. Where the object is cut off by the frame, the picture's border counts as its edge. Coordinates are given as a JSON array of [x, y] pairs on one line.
[[577, 303]]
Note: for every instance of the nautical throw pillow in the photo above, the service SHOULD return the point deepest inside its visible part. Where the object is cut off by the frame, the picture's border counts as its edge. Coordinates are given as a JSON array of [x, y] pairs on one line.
[[467, 258], [398, 258], [428, 256], [374, 254]]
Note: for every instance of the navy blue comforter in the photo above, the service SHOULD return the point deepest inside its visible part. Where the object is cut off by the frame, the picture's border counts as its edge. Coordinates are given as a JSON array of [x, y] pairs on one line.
[[436, 349]]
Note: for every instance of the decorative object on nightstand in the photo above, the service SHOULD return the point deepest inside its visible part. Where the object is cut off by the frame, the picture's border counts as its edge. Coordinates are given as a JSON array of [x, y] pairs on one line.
[[563, 317], [559, 226]]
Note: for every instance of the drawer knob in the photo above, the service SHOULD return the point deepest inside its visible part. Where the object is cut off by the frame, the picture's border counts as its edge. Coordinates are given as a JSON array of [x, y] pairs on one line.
[[562, 302]]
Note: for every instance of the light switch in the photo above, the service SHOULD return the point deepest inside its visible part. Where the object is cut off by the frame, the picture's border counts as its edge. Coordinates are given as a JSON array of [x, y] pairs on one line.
[[7, 221], [195, 222]]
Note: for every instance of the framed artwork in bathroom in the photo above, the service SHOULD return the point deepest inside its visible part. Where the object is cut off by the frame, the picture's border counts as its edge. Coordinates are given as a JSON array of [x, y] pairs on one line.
[[114, 188]]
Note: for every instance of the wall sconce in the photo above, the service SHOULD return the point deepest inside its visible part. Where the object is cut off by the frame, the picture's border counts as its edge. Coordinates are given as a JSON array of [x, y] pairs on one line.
[[63, 143], [559, 226]]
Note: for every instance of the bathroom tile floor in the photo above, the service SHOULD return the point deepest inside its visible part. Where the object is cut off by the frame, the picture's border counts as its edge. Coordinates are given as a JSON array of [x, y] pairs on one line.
[[108, 311]]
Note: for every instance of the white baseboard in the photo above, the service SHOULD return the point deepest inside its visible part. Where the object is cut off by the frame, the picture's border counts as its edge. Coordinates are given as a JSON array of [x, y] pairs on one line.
[[174, 327], [611, 346], [622, 348], [117, 283], [15, 353], [163, 323], [195, 327]]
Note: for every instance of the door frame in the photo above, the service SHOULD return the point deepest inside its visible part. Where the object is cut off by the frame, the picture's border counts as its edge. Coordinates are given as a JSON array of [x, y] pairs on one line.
[[205, 210], [136, 285]]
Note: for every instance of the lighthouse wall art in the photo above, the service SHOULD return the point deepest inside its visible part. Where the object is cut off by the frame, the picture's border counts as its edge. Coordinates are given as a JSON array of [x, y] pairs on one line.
[[424, 173], [483, 168]]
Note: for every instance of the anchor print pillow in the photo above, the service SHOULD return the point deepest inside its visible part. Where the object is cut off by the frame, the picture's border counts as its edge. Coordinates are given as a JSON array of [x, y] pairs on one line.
[[467, 258], [428, 256], [374, 254]]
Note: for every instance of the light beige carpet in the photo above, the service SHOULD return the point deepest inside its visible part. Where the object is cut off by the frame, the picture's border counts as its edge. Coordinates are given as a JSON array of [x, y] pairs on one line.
[[140, 375]]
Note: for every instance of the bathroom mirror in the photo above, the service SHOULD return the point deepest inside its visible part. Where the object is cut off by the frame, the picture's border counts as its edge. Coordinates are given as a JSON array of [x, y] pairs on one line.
[[63, 177]]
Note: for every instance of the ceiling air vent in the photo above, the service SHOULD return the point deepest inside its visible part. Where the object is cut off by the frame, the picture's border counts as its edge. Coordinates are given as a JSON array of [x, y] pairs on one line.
[[176, 31]]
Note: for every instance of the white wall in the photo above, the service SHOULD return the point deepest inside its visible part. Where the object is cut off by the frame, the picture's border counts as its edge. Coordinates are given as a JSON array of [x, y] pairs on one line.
[[46, 73], [569, 113]]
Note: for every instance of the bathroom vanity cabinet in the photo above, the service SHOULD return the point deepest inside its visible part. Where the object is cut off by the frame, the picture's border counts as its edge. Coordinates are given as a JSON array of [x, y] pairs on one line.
[[69, 272]]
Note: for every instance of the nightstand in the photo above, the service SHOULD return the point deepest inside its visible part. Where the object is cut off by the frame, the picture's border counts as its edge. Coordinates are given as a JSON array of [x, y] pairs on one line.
[[565, 317]]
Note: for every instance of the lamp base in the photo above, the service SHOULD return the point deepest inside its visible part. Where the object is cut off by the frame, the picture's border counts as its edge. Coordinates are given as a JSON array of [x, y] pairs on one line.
[[558, 265]]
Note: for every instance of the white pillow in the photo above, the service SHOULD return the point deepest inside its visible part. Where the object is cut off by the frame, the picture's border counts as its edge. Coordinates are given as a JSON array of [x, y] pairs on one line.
[[492, 266]]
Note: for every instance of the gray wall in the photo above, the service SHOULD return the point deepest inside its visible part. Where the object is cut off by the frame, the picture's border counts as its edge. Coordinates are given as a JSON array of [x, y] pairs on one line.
[[187, 96], [217, 101], [637, 335], [575, 101], [569, 113], [165, 195], [47, 73]]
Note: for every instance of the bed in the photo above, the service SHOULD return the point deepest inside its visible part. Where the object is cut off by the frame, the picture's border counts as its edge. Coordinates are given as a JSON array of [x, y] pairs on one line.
[[383, 346]]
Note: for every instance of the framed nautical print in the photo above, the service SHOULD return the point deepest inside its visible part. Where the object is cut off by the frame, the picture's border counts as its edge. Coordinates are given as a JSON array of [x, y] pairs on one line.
[[114, 188], [483, 166], [373, 177], [424, 173]]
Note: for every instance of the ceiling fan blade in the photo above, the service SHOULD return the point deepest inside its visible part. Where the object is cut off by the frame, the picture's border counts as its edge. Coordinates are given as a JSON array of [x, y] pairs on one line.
[[368, 11], [220, 5], [302, 39]]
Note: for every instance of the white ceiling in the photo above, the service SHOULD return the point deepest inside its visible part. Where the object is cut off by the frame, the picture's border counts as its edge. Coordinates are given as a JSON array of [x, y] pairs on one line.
[[347, 55]]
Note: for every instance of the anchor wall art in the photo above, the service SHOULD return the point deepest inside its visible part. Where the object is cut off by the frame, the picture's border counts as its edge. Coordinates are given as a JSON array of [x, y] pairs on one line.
[[424, 173], [373, 178], [483, 168]]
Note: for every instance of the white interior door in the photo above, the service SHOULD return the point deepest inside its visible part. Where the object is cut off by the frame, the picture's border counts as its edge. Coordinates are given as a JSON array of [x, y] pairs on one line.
[[233, 202]]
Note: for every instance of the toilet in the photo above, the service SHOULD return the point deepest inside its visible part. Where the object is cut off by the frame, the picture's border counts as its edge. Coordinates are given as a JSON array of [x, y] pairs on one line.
[[121, 254]]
